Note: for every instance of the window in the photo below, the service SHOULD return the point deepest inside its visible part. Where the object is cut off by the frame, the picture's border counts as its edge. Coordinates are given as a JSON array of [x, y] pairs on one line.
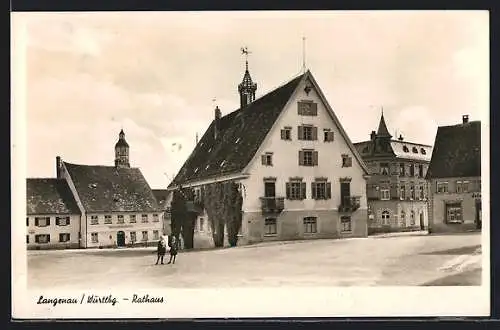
[[422, 151], [412, 170], [156, 235], [270, 188], [270, 227], [402, 191], [63, 237], [27, 238], [308, 157], [454, 213], [310, 225], [327, 135], [94, 220], [144, 218], [346, 161], [386, 218], [133, 236], [202, 224], [45, 238], [384, 168], [321, 189], [402, 169], [156, 218], [286, 133], [345, 223], [414, 150], [412, 218], [405, 149], [385, 194], [307, 108], [107, 219], [421, 193], [421, 170], [307, 132], [412, 192], [133, 218], [42, 221], [144, 235], [27, 221], [94, 237], [121, 219], [267, 159], [441, 187], [462, 186], [296, 189]]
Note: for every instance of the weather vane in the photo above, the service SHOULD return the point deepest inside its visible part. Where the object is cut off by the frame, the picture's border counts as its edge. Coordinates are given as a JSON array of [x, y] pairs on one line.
[[246, 52]]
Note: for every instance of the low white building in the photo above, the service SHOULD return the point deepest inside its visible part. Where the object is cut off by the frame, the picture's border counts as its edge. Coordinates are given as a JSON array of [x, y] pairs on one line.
[[52, 215]]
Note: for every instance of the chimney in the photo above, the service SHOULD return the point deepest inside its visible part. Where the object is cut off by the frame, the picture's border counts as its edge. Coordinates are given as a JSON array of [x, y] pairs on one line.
[[372, 135], [58, 167], [400, 138], [216, 121], [465, 119]]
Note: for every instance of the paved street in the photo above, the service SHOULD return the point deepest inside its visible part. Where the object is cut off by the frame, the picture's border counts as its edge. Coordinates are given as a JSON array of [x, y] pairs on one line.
[[405, 260]]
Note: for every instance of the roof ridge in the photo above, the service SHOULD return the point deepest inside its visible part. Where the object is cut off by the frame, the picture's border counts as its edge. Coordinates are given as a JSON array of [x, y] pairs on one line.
[[106, 166]]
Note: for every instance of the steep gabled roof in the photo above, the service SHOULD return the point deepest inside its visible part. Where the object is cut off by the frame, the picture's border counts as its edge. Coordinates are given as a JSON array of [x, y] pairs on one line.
[[240, 133], [112, 189], [457, 151], [49, 196]]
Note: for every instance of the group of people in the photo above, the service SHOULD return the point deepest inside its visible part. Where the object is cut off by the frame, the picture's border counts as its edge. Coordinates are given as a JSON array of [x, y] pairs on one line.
[[173, 245]]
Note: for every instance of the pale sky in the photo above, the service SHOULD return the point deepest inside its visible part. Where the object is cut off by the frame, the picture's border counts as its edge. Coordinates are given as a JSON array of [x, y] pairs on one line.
[[155, 74]]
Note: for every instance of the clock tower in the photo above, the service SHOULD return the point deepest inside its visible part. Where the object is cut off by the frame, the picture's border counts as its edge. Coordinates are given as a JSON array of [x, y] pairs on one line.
[[122, 152]]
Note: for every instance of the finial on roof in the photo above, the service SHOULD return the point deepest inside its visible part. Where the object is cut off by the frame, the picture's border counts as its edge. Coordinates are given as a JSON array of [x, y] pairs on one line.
[[247, 87]]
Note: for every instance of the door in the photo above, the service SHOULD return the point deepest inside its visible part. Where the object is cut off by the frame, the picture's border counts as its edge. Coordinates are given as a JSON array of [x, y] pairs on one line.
[[120, 238], [422, 224], [478, 215], [345, 193], [270, 194]]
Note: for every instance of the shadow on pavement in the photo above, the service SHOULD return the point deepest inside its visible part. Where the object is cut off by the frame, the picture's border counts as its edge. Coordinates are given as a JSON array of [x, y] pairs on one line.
[[458, 251], [467, 278]]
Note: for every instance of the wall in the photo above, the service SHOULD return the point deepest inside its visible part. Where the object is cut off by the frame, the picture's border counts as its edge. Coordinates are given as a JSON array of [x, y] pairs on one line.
[[286, 161], [468, 199], [107, 233], [54, 230], [395, 207]]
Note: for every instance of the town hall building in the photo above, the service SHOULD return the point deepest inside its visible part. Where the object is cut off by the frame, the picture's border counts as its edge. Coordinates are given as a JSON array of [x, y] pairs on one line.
[[107, 206], [299, 174]]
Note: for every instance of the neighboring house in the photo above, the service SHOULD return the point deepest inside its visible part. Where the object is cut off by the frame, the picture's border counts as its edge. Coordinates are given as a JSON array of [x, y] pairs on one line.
[[299, 173], [455, 178], [116, 204], [52, 216], [397, 189], [164, 198]]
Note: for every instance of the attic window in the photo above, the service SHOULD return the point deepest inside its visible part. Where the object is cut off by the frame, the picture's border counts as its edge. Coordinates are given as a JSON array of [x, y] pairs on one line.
[[92, 185], [405, 149], [195, 170], [206, 167], [209, 149], [422, 151], [237, 140], [414, 150], [222, 163]]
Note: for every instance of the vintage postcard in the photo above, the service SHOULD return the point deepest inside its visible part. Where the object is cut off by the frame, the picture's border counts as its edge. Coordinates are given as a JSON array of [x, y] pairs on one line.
[[250, 164]]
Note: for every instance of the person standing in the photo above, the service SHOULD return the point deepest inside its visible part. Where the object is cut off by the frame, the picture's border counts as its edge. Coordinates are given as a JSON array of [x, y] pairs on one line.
[[161, 250], [173, 250]]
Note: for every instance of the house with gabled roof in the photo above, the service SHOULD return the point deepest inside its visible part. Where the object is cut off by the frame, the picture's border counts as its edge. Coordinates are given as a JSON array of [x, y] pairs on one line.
[[397, 188], [52, 215], [455, 178], [163, 198], [299, 174]]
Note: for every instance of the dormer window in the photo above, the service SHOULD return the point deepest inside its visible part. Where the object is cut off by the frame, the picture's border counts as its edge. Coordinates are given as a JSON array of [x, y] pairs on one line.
[[414, 150], [206, 167], [195, 170], [222, 163], [209, 149], [422, 151], [405, 149], [237, 140]]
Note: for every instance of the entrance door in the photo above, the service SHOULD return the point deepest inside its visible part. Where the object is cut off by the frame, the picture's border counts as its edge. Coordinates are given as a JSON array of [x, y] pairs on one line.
[[478, 214], [345, 193], [422, 224], [120, 238], [269, 189]]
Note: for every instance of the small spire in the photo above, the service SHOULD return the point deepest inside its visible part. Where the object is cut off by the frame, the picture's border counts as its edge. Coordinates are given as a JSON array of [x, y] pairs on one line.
[[382, 127], [304, 54]]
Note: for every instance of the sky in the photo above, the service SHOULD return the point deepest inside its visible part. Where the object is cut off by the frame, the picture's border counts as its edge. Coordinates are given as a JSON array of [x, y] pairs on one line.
[[156, 75]]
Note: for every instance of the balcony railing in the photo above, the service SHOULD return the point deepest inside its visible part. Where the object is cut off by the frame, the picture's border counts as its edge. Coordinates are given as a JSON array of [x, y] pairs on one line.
[[349, 204], [272, 204]]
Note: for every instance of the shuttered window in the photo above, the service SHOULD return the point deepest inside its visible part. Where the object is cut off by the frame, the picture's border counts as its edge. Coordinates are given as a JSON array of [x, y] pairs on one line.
[[327, 135], [307, 132], [296, 190], [321, 189], [308, 157], [267, 159], [42, 221], [286, 133], [45, 238], [307, 108], [346, 161]]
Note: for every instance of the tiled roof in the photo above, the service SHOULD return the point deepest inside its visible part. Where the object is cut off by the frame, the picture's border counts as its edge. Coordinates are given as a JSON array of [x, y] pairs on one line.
[[457, 151], [161, 196], [410, 150], [240, 134], [112, 189], [49, 196]]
